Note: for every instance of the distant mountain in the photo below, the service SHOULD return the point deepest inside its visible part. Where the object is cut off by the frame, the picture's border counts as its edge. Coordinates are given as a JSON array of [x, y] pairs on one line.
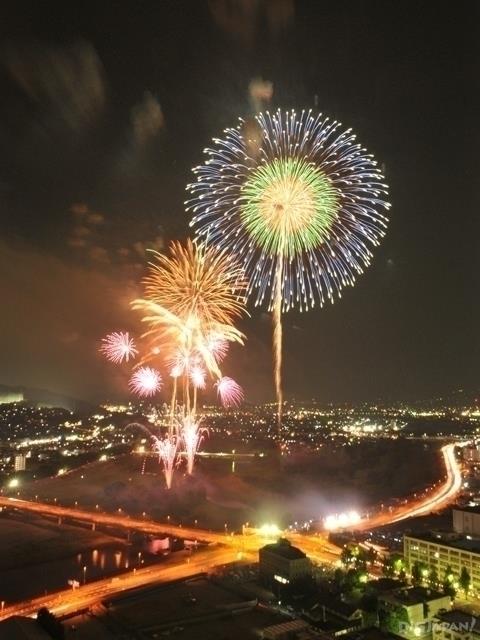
[[42, 397]]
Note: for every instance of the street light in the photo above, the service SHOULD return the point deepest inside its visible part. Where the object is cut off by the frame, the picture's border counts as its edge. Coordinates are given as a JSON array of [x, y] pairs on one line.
[[84, 574]]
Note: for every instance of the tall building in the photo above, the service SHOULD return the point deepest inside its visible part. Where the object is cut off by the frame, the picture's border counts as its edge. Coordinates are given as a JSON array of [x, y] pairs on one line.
[[283, 563], [20, 462], [467, 521]]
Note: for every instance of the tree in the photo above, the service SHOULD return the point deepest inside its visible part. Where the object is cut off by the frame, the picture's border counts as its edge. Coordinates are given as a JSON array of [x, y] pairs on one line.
[[394, 565], [349, 555], [448, 580], [50, 624], [388, 567], [464, 580], [369, 607], [395, 620], [339, 578], [361, 559], [371, 556], [433, 578], [416, 573]]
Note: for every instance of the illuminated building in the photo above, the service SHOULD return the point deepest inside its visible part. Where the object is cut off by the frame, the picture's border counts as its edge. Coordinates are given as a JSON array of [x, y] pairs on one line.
[[20, 461], [456, 625], [280, 563], [444, 551], [409, 612], [467, 521]]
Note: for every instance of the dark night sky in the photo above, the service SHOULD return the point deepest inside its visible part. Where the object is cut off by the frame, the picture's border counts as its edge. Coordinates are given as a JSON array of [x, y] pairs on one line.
[[106, 106]]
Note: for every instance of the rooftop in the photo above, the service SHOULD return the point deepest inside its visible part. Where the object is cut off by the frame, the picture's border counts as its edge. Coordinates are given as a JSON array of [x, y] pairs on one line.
[[460, 619], [334, 605], [413, 595], [284, 549], [21, 628], [449, 540], [382, 585], [475, 509], [371, 633], [284, 628]]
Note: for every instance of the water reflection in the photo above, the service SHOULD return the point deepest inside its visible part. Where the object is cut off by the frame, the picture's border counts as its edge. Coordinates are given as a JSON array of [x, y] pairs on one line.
[[30, 581]]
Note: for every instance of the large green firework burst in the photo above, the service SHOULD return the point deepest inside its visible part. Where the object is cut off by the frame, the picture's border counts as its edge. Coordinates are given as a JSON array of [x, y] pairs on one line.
[[288, 206]]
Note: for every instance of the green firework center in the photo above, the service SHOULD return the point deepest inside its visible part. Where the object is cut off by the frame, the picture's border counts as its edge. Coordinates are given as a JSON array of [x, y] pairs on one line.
[[288, 206]]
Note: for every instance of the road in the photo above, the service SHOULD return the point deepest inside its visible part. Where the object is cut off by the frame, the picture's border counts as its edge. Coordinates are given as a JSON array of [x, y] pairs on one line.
[[230, 548], [432, 501], [117, 520], [69, 601]]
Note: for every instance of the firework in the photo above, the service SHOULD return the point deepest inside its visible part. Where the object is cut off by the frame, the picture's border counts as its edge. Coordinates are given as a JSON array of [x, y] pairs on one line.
[[176, 371], [167, 448], [300, 210], [230, 392], [178, 364], [192, 434], [191, 299], [145, 381], [118, 346], [197, 376], [194, 282], [217, 345]]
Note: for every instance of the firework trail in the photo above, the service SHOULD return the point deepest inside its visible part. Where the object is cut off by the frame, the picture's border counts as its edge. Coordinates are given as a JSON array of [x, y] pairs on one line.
[[192, 435], [118, 346], [167, 448], [277, 341], [300, 210]]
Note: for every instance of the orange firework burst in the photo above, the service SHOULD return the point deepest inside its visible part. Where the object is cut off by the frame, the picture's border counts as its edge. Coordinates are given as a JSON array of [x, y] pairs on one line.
[[197, 281], [191, 297]]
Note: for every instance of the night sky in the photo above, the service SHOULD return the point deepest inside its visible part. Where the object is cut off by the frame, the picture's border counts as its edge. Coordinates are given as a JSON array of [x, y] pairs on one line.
[[104, 109]]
